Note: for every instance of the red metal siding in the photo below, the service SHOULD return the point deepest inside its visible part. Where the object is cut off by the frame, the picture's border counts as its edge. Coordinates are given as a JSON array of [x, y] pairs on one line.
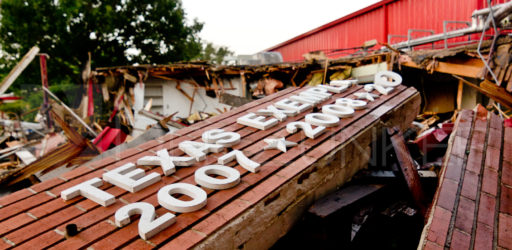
[[370, 23]]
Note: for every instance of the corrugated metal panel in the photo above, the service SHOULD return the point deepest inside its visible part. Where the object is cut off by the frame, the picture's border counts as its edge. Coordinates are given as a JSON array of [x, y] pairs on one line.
[[371, 23]]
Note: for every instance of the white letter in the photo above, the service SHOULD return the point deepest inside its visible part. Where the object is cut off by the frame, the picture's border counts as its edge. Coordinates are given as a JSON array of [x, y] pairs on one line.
[[292, 105], [241, 159], [219, 136], [148, 226], [305, 98], [89, 189], [199, 150], [383, 90], [130, 178], [167, 162], [334, 89], [339, 111], [320, 119], [166, 200], [317, 91], [381, 78], [280, 114], [292, 128], [202, 177], [347, 83], [252, 120]]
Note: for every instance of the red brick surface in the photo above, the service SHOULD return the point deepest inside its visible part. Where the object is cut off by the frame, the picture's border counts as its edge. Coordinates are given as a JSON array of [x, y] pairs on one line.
[[95, 222], [459, 146], [440, 225], [490, 181], [487, 209], [505, 231], [493, 158], [478, 220], [460, 240], [432, 246], [506, 174], [17, 196], [465, 215], [483, 237], [448, 194], [506, 200], [470, 185], [454, 168], [474, 161]]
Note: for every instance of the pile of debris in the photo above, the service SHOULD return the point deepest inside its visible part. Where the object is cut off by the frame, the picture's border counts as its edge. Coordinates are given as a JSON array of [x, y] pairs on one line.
[[153, 100]]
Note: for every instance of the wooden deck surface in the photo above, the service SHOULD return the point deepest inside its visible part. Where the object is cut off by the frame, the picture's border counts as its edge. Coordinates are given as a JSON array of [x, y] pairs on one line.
[[36, 217]]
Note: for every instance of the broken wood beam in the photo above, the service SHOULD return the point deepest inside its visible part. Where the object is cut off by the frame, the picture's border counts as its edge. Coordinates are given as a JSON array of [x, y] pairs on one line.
[[467, 68], [16, 71], [233, 100], [71, 112], [159, 118], [495, 92], [408, 168], [342, 199]]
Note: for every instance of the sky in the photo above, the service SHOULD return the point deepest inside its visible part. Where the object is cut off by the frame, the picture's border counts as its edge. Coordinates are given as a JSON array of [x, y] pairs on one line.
[[251, 26]]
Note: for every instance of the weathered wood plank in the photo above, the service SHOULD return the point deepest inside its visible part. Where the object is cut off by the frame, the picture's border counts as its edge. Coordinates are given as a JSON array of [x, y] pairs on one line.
[[408, 168], [342, 198]]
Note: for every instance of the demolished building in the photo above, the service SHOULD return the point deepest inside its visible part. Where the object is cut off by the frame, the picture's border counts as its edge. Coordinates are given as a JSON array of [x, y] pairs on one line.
[[300, 170]]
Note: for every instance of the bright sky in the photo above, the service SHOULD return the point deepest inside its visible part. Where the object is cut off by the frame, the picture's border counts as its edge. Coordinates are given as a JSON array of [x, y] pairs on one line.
[[250, 26]]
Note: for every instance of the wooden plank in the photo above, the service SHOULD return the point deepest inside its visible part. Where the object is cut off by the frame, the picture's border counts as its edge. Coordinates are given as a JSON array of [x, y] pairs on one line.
[[408, 168], [468, 68], [459, 94], [497, 93], [342, 198], [16, 71]]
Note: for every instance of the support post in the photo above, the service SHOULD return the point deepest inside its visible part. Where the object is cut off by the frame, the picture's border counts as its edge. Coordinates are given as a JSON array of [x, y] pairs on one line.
[[44, 81]]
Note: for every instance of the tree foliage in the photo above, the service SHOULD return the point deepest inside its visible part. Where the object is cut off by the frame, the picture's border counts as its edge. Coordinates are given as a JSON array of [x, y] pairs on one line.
[[215, 54], [116, 32]]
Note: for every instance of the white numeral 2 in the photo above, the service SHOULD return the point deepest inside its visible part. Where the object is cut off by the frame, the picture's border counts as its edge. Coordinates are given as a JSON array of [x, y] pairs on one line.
[[292, 128], [148, 226]]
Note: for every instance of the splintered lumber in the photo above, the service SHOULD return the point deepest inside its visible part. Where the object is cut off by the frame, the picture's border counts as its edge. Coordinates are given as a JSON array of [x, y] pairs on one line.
[[16, 71], [408, 168], [495, 92], [468, 67], [252, 214], [160, 118], [70, 111], [25, 156], [55, 158], [342, 198], [233, 100]]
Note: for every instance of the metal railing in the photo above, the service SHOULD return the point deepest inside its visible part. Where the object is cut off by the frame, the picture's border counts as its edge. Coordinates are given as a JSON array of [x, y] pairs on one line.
[[477, 24]]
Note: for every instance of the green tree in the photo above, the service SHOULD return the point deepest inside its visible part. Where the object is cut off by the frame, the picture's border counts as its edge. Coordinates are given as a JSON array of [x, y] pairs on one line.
[[116, 32], [215, 54]]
